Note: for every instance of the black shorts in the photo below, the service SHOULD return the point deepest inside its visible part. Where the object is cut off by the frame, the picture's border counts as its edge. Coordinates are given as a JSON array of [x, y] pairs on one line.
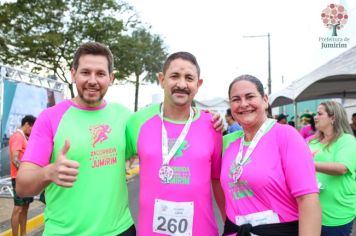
[[129, 232], [18, 201]]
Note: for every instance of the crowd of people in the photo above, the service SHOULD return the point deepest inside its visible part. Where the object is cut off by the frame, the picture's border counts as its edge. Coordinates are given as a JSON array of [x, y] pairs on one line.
[[266, 177]]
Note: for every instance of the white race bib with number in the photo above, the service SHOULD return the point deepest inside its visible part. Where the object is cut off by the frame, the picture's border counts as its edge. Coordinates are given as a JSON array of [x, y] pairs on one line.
[[173, 218], [258, 218]]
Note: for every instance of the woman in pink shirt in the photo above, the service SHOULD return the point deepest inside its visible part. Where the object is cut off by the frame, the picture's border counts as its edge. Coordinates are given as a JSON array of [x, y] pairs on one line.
[[267, 174], [309, 126]]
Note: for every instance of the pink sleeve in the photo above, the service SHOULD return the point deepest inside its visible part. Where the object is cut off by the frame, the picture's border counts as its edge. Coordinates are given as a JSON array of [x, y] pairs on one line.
[[39, 148], [216, 159], [40, 144], [310, 138], [303, 132], [297, 163]]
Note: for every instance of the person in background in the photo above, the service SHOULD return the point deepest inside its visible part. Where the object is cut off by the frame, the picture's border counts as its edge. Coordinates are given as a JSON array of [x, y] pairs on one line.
[[282, 119], [334, 149], [18, 144], [232, 124], [353, 124], [291, 123], [267, 173], [308, 123]]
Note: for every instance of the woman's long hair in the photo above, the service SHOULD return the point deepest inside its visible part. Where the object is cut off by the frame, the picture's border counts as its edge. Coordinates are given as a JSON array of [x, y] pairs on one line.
[[340, 124]]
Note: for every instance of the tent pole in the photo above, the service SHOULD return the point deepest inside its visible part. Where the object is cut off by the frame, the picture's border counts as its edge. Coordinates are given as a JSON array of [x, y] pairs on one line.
[[295, 113], [2, 78]]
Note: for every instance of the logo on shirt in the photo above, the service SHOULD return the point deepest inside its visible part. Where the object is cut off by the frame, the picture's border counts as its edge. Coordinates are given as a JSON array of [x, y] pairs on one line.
[[99, 133], [240, 189], [184, 146], [181, 175], [234, 166]]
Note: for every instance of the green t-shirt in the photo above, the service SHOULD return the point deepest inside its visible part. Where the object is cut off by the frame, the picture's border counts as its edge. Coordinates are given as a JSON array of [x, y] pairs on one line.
[[97, 204], [337, 192]]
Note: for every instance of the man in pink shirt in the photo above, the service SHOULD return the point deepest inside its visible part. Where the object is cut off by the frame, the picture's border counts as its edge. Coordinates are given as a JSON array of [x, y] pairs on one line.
[[17, 145], [180, 156]]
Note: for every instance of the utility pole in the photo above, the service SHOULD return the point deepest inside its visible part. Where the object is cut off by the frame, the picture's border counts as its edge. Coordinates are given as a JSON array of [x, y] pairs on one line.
[[269, 82]]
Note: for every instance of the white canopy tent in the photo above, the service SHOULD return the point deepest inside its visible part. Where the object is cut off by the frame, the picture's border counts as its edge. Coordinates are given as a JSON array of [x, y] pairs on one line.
[[335, 79]]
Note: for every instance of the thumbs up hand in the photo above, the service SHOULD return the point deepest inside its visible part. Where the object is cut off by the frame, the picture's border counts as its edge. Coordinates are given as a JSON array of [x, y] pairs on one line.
[[64, 172]]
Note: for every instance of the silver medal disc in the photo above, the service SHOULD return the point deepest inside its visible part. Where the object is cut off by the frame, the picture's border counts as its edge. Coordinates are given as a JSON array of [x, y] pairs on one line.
[[165, 173], [237, 174]]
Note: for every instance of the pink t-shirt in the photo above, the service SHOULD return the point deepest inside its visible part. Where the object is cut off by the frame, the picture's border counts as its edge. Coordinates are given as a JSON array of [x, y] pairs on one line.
[[306, 131], [195, 164], [278, 170]]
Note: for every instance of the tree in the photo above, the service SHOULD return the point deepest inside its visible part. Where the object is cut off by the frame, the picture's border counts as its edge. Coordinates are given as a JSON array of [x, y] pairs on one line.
[[31, 31], [46, 33], [141, 54], [334, 16]]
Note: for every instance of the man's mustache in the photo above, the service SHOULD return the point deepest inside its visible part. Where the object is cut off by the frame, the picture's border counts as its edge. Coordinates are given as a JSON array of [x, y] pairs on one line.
[[178, 90]]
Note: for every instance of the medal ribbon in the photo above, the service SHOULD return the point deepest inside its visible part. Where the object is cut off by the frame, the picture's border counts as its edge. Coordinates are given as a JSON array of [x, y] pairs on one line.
[[167, 156], [241, 160]]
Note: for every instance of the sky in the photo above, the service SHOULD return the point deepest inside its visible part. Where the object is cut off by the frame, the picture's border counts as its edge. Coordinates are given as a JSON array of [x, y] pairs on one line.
[[213, 31]]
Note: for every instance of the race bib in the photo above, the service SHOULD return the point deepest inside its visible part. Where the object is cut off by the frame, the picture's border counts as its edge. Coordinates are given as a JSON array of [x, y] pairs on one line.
[[258, 218], [173, 218]]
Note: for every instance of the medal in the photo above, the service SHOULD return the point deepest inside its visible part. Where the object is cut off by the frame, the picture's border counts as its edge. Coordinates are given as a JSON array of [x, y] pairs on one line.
[[237, 174], [240, 159], [165, 173]]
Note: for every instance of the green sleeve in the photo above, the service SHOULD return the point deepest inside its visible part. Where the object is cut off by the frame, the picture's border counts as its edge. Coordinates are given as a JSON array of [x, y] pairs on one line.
[[229, 138], [133, 128], [345, 152]]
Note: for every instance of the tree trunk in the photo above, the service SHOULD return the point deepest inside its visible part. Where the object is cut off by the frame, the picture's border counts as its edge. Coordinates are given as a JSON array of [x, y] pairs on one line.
[[70, 86], [137, 85], [335, 30]]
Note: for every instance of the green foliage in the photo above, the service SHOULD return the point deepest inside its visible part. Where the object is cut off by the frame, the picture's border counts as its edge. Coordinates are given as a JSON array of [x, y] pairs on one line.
[[30, 31], [139, 53], [46, 33]]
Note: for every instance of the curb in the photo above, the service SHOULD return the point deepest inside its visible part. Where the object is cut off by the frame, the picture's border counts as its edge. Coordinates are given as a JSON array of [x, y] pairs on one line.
[[38, 220], [32, 224], [133, 171]]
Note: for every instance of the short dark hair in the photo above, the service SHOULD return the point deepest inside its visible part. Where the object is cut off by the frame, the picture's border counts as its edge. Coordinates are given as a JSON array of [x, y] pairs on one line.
[[291, 123], [182, 55], [353, 115], [250, 78], [281, 117], [229, 114], [93, 48], [29, 119]]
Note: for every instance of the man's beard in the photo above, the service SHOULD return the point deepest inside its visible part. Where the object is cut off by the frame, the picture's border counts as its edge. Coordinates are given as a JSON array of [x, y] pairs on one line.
[[91, 102]]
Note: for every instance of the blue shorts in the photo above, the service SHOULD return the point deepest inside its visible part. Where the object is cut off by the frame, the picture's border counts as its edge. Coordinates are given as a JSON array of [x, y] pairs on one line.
[[342, 230]]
